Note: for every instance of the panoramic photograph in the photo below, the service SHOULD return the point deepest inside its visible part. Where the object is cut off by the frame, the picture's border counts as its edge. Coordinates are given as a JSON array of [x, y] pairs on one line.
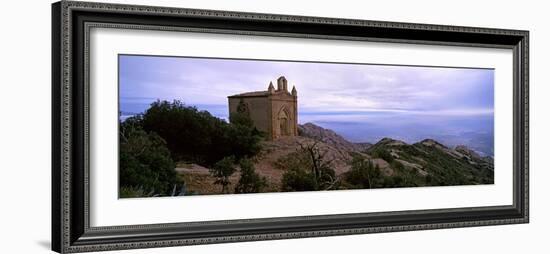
[[203, 126]]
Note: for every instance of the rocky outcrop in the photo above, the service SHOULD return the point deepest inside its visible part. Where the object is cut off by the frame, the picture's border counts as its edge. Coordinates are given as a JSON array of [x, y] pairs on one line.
[[363, 146], [434, 144], [273, 150], [467, 152], [330, 137]]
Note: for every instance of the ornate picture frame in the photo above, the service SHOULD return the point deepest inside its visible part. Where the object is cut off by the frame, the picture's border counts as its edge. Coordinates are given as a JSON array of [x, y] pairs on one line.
[[71, 24]]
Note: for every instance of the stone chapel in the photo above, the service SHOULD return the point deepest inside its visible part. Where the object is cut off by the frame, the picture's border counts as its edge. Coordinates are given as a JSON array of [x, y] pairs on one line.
[[274, 111]]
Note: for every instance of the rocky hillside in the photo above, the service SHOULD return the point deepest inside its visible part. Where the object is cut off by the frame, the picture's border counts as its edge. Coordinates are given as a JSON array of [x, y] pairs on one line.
[[277, 149], [426, 163], [330, 137], [433, 163]]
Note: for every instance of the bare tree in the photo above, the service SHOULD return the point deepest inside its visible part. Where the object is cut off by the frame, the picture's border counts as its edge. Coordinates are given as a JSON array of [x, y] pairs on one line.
[[321, 167]]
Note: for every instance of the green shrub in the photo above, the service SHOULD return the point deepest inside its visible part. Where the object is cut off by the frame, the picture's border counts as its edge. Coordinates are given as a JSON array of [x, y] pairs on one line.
[[250, 181], [298, 179], [383, 154], [145, 163], [364, 174], [222, 170]]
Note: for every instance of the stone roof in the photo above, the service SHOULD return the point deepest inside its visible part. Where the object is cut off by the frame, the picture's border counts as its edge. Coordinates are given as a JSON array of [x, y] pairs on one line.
[[258, 94], [252, 94]]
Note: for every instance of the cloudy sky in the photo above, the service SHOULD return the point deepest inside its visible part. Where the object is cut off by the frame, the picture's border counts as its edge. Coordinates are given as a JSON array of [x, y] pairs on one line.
[[361, 102]]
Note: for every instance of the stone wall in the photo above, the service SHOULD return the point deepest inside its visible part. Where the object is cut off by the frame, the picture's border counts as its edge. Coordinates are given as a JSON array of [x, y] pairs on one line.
[[259, 112]]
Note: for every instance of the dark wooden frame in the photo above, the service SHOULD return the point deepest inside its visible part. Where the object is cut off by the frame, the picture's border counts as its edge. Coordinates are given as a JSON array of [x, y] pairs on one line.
[[71, 22]]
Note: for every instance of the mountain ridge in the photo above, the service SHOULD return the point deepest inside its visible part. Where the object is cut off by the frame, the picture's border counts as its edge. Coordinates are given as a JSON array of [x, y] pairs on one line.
[[329, 136], [427, 158]]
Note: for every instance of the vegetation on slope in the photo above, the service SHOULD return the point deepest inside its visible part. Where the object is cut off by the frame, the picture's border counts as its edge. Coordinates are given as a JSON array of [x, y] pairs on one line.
[[307, 169], [429, 163], [171, 131], [146, 168]]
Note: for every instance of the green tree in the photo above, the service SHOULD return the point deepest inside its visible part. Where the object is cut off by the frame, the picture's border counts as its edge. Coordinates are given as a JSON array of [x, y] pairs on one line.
[[364, 174], [242, 138], [250, 181], [145, 162], [222, 171], [197, 136]]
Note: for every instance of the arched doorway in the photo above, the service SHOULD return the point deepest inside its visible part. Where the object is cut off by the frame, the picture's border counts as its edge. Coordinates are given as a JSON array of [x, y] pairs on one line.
[[284, 122]]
